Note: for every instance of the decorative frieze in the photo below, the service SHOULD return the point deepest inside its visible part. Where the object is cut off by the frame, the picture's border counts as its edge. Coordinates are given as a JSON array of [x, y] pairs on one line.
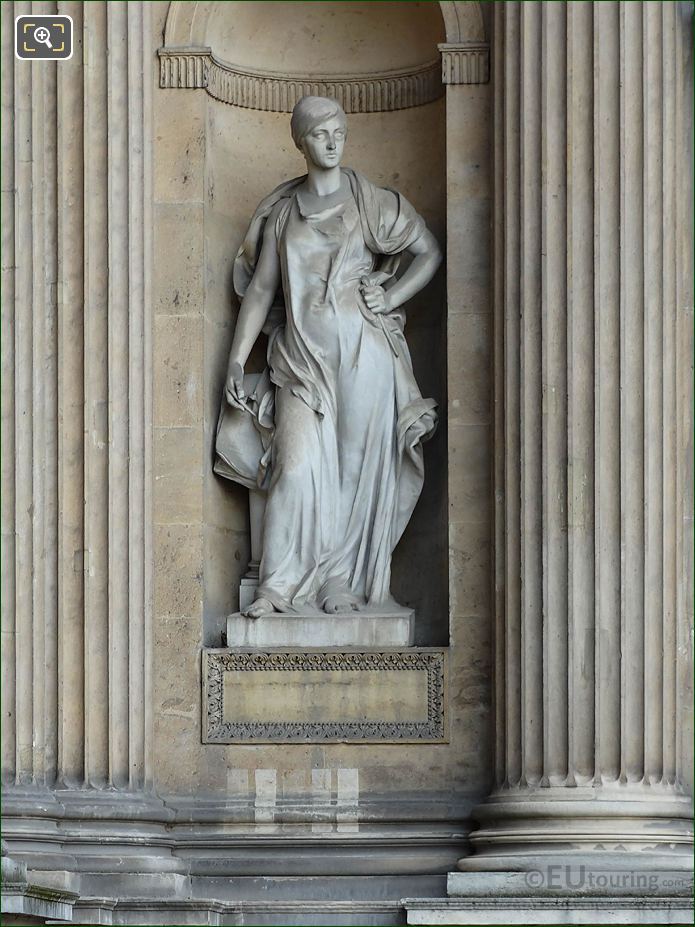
[[273, 696], [190, 68], [184, 68], [465, 62]]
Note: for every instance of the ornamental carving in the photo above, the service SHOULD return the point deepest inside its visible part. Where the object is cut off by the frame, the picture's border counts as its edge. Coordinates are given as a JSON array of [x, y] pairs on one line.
[[465, 62], [218, 730], [190, 68]]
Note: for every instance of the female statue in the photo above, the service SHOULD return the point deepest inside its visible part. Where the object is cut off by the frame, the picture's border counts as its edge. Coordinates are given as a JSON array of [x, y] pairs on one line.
[[332, 430]]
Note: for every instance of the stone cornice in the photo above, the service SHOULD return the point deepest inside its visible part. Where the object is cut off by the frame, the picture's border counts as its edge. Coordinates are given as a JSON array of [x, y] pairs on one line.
[[465, 62], [189, 68]]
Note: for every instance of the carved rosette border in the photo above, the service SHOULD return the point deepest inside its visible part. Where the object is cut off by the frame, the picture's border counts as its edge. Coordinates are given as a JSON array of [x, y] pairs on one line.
[[217, 730], [191, 68], [465, 62]]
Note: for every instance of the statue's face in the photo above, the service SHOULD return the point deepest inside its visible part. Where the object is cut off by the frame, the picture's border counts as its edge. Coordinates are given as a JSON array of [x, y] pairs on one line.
[[323, 146]]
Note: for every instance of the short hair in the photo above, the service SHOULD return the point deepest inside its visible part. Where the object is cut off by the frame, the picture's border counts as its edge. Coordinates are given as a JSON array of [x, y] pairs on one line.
[[310, 112]]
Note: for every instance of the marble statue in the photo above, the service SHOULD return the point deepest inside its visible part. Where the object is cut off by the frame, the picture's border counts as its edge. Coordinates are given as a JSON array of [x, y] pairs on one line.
[[332, 430]]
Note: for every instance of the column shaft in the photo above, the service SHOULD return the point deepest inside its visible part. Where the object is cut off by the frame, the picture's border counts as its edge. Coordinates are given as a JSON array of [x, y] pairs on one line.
[[45, 181], [586, 298], [7, 461], [118, 390], [96, 451], [669, 400], [581, 449], [554, 387], [631, 360], [685, 491], [531, 401], [24, 416], [71, 421], [138, 375], [76, 426], [605, 376]]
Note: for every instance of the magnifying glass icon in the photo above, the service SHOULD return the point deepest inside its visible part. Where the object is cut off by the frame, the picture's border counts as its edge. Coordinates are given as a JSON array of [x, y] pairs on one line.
[[43, 35]]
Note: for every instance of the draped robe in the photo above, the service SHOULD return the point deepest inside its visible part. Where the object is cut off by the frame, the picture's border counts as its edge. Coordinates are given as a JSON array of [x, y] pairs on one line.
[[333, 428]]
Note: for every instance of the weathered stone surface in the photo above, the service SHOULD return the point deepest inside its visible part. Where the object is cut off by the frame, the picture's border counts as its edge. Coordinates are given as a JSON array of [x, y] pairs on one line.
[[370, 627], [533, 910], [25, 900]]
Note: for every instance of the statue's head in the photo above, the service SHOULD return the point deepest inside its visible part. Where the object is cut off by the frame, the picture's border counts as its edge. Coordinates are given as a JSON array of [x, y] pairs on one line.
[[319, 130]]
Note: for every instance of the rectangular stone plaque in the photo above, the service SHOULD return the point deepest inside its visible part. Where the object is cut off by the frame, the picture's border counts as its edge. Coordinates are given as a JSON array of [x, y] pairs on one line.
[[311, 695]]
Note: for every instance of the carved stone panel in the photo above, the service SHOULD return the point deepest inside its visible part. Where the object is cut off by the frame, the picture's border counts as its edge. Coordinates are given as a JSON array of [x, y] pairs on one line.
[[350, 696]]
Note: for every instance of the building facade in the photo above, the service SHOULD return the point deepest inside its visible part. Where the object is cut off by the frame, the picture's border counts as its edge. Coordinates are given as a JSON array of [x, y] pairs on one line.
[[549, 562]]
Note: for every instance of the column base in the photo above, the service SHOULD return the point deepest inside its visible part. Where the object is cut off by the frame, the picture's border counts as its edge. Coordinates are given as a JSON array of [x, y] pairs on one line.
[[618, 854], [628, 820]]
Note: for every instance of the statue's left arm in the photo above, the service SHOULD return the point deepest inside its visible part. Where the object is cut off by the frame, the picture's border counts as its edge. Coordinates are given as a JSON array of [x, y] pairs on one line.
[[427, 257]]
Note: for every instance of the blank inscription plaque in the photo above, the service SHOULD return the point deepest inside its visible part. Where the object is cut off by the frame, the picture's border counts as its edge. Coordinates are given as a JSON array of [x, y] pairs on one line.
[[292, 696]]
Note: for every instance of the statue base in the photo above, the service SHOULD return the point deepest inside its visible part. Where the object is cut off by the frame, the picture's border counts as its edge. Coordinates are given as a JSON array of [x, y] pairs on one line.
[[379, 626]]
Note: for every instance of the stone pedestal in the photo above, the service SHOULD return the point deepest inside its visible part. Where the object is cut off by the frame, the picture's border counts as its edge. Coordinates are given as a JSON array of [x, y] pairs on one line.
[[393, 627], [554, 892], [24, 902]]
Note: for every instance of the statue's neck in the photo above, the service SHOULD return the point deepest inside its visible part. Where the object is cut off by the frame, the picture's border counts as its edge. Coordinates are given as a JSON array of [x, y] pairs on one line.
[[323, 181]]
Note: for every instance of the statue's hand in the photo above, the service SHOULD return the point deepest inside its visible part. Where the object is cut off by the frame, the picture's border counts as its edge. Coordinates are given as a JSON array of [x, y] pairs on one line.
[[234, 387], [376, 297]]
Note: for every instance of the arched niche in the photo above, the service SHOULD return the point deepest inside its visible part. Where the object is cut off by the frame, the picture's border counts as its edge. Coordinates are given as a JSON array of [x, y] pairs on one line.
[[392, 64], [383, 62], [187, 23]]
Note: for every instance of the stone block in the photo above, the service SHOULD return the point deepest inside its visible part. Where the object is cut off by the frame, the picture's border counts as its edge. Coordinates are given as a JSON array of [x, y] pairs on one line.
[[179, 149], [176, 725], [471, 265], [551, 911], [469, 473], [558, 892], [178, 264], [369, 628], [178, 388], [179, 459], [470, 565], [469, 346], [178, 570], [24, 900]]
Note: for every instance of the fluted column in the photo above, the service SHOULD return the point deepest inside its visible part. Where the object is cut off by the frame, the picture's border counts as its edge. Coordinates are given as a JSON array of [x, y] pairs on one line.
[[593, 278], [76, 405]]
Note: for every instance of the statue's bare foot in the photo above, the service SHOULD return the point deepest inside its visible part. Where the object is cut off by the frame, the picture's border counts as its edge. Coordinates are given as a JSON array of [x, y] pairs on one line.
[[340, 602], [258, 608]]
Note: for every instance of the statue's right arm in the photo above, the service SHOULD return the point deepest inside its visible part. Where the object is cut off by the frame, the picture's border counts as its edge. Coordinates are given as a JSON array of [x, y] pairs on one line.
[[254, 308]]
